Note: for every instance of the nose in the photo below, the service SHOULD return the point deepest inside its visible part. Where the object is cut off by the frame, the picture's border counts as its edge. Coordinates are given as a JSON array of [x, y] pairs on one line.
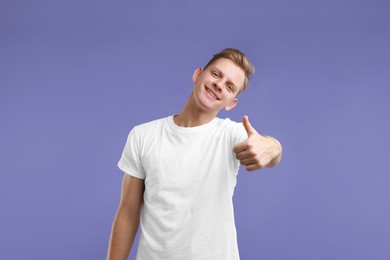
[[217, 86]]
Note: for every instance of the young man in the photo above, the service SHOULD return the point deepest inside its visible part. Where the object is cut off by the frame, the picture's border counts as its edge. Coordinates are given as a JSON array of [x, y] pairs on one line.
[[180, 172]]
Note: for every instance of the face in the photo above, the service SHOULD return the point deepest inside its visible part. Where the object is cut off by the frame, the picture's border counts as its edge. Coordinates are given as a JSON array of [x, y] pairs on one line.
[[217, 86]]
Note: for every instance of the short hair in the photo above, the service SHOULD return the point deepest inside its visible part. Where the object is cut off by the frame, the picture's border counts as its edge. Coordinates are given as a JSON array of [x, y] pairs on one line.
[[239, 59]]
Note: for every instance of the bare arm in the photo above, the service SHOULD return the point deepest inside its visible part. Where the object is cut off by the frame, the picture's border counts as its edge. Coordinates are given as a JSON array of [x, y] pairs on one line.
[[278, 156], [126, 222]]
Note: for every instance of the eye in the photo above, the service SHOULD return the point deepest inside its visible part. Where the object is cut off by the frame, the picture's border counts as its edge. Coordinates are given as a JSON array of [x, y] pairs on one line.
[[230, 88], [215, 74]]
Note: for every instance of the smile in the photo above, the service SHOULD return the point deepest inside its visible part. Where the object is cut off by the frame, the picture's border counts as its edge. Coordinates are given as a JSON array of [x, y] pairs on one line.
[[212, 94]]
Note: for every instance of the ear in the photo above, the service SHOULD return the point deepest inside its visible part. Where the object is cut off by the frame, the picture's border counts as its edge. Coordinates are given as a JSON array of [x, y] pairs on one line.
[[231, 105], [196, 73]]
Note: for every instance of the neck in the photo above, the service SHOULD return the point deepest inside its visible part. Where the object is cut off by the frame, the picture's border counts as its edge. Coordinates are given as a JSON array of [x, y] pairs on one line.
[[191, 115]]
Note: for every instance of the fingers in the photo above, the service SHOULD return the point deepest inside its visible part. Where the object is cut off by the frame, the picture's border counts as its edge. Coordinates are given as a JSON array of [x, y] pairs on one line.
[[250, 152], [249, 161], [240, 147], [244, 154], [253, 167], [248, 127]]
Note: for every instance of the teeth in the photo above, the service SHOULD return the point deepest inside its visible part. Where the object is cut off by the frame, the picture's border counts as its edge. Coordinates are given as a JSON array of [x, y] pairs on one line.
[[211, 94]]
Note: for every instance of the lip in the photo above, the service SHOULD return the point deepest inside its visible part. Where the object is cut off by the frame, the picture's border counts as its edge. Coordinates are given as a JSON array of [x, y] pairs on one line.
[[213, 93]]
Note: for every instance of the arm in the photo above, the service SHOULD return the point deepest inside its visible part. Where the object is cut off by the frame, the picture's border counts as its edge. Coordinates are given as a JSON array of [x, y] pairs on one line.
[[257, 151], [278, 152], [126, 222]]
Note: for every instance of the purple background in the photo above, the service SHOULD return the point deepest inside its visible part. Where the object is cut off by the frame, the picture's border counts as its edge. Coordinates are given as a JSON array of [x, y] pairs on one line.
[[76, 76]]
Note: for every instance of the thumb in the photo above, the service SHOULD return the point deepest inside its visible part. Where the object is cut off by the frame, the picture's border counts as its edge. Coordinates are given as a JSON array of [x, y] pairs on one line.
[[248, 127]]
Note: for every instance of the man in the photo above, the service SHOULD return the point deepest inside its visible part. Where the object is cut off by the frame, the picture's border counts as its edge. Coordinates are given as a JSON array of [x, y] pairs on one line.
[[180, 172]]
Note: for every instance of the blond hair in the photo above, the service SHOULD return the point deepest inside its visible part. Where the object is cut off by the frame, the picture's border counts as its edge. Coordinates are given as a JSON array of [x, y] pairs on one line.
[[239, 59]]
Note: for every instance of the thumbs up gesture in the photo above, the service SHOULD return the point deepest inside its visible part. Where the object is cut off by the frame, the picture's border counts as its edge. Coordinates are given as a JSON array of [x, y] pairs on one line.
[[257, 151]]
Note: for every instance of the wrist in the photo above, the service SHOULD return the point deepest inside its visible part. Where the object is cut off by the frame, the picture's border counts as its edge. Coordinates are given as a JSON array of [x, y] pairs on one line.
[[276, 152]]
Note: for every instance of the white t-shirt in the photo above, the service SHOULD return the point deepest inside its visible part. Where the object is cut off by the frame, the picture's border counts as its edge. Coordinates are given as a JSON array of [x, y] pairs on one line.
[[190, 175]]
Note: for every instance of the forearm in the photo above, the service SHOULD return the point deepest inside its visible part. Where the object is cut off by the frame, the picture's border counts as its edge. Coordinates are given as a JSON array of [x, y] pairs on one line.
[[124, 230], [277, 152]]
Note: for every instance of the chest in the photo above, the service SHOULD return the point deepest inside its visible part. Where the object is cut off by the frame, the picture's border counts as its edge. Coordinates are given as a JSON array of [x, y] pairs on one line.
[[186, 159]]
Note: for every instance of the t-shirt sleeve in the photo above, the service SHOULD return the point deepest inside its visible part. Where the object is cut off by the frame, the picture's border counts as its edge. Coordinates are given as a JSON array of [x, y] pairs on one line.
[[130, 161], [238, 135]]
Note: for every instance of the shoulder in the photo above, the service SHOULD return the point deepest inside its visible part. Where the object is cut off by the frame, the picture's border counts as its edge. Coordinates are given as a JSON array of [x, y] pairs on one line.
[[145, 131], [234, 130], [229, 124], [151, 125]]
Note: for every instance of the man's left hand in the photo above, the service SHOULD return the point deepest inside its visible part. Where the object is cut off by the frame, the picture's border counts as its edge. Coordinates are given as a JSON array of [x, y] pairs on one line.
[[257, 151]]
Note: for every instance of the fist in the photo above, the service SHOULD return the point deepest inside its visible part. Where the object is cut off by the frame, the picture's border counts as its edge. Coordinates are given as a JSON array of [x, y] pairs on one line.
[[256, 151]]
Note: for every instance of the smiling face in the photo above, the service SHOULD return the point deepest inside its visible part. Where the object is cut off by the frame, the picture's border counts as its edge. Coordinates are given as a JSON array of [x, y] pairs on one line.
[[217, 86]]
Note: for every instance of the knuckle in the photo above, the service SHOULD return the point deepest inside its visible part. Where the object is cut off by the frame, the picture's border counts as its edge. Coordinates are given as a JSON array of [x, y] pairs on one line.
[[249, 146], [253, 154], [260, 165]]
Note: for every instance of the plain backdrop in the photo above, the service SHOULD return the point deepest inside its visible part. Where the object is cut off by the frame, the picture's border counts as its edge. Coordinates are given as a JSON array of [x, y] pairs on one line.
[[76, 76]]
